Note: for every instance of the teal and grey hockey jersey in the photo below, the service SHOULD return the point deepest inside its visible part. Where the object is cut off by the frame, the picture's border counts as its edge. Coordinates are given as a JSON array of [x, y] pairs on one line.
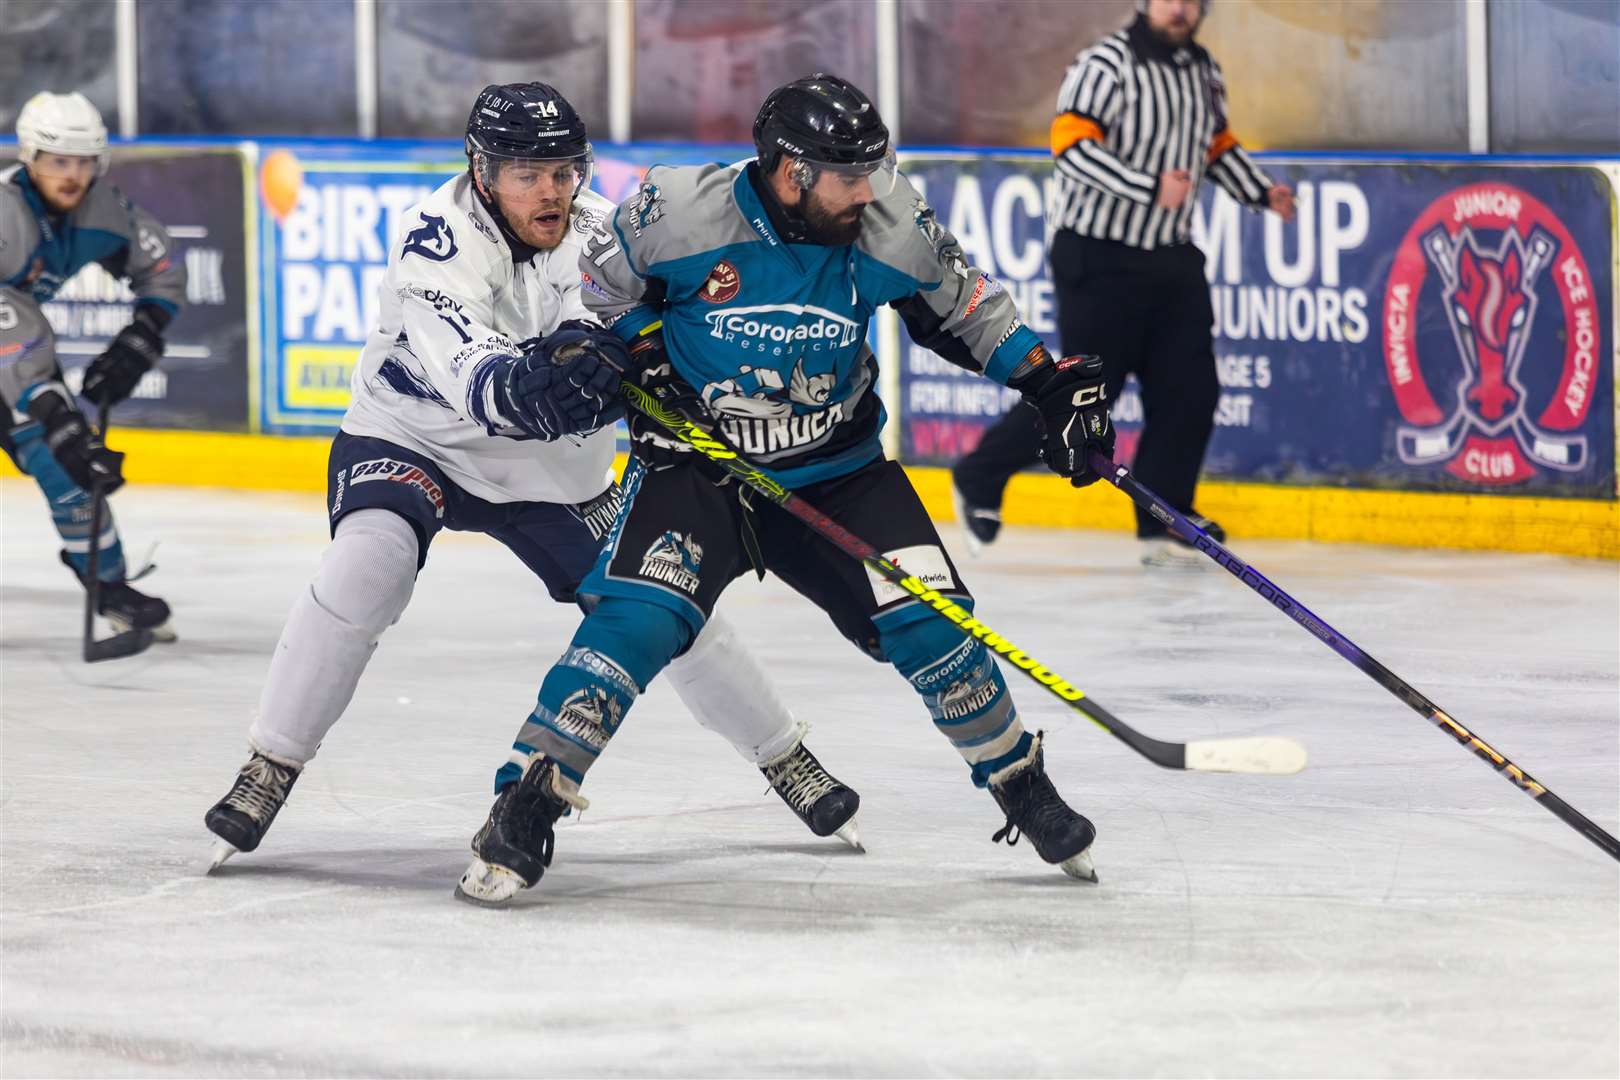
[[771, 332]]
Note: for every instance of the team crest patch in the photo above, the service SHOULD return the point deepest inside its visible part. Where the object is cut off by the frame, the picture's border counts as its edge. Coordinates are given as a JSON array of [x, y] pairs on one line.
[[673, 559], [722, 285], [648, 209], [432, 240], [591, 715]]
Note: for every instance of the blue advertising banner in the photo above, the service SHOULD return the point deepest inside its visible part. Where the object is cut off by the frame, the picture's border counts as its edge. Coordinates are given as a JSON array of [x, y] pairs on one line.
[[330, 212], [1420, 326]]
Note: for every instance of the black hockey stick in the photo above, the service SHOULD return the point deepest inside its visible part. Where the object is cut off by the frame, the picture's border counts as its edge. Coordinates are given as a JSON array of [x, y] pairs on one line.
[[1261, 754], [131, 641], [1121, 477]]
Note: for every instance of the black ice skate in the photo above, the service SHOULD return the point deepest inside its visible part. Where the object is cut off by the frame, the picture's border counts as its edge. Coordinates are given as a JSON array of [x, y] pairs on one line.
[[127, 608], [1169, 549], [980, 524], [1035, 809], [243, 816], [514, 847], [826, 806]]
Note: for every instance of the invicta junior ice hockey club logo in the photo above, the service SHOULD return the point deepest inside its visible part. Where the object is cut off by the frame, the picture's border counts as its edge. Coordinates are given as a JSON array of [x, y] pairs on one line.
[[674, 559], [1522, 313]]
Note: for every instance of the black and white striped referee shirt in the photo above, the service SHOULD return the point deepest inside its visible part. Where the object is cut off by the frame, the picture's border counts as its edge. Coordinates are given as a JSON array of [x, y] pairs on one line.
[[1130, 108]]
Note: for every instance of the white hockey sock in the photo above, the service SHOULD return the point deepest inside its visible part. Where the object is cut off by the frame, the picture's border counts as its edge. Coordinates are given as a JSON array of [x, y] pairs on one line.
[[728, 692], [364, 582]]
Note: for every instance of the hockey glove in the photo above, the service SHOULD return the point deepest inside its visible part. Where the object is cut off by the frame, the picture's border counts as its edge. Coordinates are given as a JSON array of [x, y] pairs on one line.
[[111, 377], [563, 384], [75, 447], [1071, 399], [650, 441]]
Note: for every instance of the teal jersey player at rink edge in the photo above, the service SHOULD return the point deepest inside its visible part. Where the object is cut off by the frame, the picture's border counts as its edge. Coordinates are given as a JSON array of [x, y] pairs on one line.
[[746, 291], [58, 214]]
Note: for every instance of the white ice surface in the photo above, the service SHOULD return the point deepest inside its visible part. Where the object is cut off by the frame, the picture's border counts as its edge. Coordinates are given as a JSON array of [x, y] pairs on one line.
[[1396, 909]]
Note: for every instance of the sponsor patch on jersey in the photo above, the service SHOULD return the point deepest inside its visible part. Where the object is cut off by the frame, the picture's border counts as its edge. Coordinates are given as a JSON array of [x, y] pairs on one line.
[[722, 284], [763, 326], [399, 472], [673, 559], [432, 240], [983, 289], [925, 562], [483, 228], [589, 284]]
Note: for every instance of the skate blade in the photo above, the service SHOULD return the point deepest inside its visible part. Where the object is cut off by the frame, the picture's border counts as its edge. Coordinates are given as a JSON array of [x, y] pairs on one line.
[[222, 851], [851, 835], [1168, 555], [975, 546], [163, 632], [1080, 867], [486, 885]]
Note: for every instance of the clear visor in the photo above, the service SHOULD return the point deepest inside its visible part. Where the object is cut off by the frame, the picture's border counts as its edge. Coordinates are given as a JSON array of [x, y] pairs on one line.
[[84, 168], [530, 178], [879, 174]]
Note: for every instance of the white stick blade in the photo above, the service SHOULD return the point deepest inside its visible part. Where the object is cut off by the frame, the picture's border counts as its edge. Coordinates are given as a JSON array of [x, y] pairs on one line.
[[1260, 754]]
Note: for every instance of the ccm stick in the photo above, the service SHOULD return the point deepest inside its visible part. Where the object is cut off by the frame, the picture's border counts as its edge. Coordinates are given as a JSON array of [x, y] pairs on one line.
[[1121, 477], [1270, 755]]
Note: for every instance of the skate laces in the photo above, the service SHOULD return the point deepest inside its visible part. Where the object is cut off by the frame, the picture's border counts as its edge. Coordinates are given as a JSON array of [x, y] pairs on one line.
[[800, 779], [260, 789]]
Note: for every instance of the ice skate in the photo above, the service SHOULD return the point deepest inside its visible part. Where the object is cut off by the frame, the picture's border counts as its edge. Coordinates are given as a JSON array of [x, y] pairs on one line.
[[1035, 809], [980, 524], [243, 816], [1170, 551], [513, 849], [826, 806], [127, 608]]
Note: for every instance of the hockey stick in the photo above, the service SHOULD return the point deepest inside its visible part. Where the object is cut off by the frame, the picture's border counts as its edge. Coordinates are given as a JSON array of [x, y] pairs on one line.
[[131, 641], [1121, 477], [1263, 754]]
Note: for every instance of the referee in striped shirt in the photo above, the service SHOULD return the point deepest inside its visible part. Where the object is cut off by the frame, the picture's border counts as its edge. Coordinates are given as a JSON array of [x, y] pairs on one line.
[[1141, 120]]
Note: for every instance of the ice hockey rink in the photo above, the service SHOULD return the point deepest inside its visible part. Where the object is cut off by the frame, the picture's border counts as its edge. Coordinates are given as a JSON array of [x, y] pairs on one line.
[[1394, 910]]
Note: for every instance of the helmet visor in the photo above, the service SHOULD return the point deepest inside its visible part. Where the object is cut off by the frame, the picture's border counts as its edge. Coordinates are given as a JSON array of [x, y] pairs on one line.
[[879, 174], [525, 178], [84, 167]]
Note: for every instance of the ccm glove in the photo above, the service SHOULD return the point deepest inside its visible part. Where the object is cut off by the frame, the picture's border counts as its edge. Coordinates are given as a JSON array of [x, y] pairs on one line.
[[1074, 411], [111, 377], [563, 384], [78, 450]]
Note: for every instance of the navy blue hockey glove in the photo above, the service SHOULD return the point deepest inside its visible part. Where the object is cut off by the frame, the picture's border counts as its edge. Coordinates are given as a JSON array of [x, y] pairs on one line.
[[75, 447], [1072, 401], [563, 384], [111, 377]]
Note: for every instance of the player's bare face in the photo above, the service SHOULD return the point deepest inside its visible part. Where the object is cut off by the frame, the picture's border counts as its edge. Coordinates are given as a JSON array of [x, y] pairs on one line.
[[1174, 21], [62, 179], [833, 207], [535, 197]]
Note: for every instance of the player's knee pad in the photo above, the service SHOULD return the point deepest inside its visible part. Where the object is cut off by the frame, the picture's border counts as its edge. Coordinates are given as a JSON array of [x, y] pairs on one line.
[[964, 690], [368, 573], [620, 647]]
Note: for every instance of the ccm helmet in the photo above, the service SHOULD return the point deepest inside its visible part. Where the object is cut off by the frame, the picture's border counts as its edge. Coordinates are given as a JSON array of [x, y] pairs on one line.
[[61, 124], [824, 123]]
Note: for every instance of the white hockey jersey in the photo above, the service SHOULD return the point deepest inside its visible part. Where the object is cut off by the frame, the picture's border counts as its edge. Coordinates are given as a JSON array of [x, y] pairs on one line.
[[453, 301]]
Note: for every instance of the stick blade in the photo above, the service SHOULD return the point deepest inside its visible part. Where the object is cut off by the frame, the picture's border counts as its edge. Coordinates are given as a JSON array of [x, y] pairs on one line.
[[128, 643], [1271, 756]]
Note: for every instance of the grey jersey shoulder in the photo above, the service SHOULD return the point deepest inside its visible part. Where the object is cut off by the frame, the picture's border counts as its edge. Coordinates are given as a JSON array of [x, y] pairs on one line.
[[19, 229], [682, 210], [900, 230]]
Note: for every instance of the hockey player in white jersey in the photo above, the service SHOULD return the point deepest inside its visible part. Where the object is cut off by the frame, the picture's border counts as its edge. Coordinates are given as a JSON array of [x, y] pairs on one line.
[[481, 403]]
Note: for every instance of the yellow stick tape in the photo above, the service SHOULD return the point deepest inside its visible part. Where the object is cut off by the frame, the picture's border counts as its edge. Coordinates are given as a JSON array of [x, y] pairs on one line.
[[1583, 527]]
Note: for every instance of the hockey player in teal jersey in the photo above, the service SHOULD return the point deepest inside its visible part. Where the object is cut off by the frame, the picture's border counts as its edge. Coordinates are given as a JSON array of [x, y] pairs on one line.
[[747, 290]]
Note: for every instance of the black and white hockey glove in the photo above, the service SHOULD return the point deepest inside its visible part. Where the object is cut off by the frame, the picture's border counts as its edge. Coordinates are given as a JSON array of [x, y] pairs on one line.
[[1071, 399], [564, 384], [112, 376], [75, 447]]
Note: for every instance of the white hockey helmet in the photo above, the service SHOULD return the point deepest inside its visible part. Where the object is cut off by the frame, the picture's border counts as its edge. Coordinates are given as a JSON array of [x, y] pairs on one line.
[[62, 124]]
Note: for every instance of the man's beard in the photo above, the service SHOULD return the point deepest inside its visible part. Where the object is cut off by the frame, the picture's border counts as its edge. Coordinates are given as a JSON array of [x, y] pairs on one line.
[[1171, 39], [825, 227]]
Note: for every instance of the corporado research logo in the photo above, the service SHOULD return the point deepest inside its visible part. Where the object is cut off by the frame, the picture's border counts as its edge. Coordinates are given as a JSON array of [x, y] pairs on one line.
[[782, 325], [1506, 307]]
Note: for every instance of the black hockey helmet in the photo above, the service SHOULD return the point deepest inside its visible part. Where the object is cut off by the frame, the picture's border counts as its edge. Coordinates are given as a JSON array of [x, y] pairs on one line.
[[825, 122], [525, 121]]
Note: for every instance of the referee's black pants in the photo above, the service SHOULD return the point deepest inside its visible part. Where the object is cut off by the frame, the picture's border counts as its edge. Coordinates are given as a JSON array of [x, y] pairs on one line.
[[1146, 312]]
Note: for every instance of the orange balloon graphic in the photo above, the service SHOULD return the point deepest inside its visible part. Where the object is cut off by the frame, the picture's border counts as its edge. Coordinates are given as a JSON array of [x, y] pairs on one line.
[[280, 179]]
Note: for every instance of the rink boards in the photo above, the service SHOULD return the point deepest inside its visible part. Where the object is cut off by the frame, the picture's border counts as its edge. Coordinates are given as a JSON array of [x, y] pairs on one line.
[[1426, 357]]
